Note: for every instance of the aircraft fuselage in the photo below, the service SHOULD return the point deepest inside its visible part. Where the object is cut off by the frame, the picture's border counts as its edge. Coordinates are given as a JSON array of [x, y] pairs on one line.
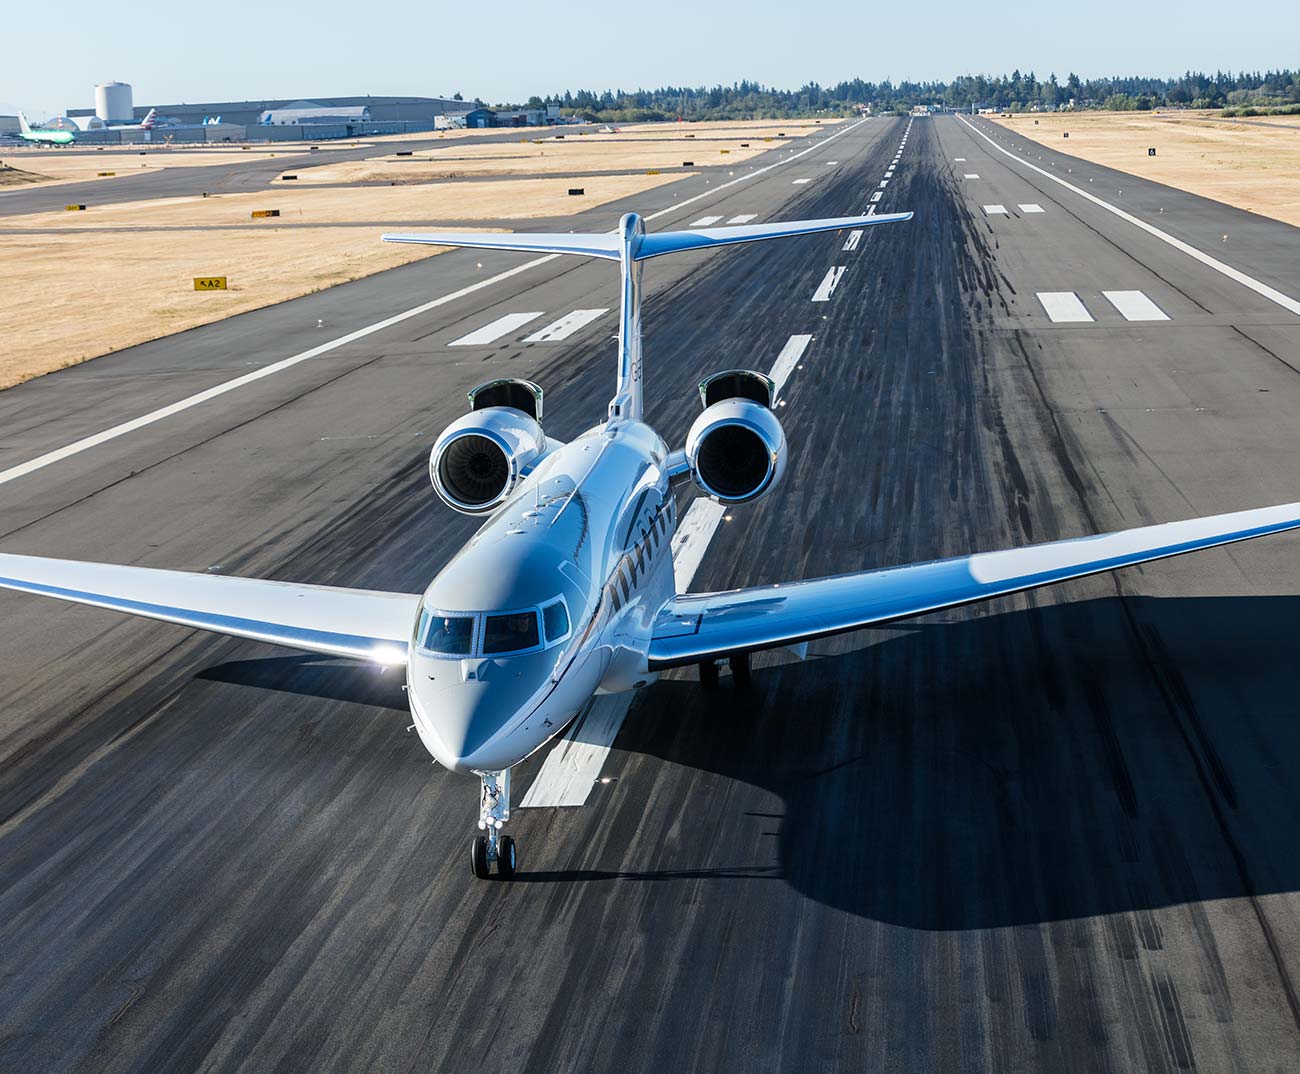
[[552, 601]]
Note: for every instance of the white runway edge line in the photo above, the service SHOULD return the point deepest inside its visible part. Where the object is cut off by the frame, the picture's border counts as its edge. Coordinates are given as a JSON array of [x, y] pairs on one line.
[[827, 287], [1063, 307], [574, 763], [1135, 306], [493, 331], [565, 326], [1264, 290], [217, 390], [851, 243]]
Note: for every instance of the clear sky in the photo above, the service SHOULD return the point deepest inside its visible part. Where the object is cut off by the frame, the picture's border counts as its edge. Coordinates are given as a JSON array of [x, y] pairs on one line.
[[236, 49]]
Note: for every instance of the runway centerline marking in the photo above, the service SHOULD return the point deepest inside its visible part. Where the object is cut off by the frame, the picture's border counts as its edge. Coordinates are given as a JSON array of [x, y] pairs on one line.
[[827, 287], [494, 330], [800, 182], [1032, 207], [565, 326], [1063, 307], [971, 175], [1135, 306], [217, 390], [788, 359], [1258, 286], [851, 243]]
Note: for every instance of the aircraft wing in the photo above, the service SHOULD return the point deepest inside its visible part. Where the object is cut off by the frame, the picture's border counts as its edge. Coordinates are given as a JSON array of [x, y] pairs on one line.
[[696, 627], [359, 623]]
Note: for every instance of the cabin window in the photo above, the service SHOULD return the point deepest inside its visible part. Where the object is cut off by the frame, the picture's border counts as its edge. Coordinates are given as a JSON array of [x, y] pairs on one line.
[[510, 633], [555, 618], [451, 635]]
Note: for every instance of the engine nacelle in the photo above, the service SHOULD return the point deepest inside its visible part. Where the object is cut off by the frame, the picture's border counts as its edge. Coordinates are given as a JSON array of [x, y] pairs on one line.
[[479, 458], [736, 450]]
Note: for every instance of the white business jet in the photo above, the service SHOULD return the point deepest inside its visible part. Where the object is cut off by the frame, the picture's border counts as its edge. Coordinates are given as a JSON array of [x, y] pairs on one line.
[[567, 590]]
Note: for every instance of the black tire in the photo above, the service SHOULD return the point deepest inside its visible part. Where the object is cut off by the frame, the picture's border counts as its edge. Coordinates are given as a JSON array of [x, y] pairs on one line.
[[740, 678], [478, 857], [506, 858], [708, 675]]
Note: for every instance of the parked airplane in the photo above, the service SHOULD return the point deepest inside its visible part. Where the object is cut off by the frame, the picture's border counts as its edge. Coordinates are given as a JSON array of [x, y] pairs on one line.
[[41, 136], [146, 124], [567, 589]]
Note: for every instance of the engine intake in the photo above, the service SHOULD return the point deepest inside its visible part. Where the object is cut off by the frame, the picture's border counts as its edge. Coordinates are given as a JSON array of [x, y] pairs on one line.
[[736, 450], [479, 458]]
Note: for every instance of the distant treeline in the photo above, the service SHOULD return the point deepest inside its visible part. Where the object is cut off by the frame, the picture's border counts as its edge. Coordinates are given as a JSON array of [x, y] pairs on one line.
[[1015, 92]]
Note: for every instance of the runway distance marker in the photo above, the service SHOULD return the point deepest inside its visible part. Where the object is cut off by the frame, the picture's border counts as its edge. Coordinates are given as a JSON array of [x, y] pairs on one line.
[[210, 283], [74, 208], [1260, 288], [216, 391], [262, 214]]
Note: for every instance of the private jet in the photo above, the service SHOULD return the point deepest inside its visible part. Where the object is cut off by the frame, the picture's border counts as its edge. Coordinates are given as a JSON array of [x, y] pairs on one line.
[[567, 590]]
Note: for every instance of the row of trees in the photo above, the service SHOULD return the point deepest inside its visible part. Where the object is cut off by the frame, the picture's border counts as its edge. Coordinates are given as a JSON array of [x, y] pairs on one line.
[[1014, 92]]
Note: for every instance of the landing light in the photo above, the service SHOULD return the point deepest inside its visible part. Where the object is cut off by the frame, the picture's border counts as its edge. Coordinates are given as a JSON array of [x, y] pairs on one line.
[[389, 656]]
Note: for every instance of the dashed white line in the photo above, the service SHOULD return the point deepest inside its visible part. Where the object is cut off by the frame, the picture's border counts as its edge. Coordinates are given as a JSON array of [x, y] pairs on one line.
[[565, 326], [959, 160], [788, 359], [743, 218], [971, 175], [1063, 307], [1135, 306], [1032, 207], [995, 210], [884, 183], [493, 331], [705, 221], [851, 243], [875, 196], [827, 287], [800, 182]]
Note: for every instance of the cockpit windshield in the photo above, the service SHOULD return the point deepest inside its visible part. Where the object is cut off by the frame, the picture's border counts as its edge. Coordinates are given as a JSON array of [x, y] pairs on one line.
[[510, 633], [452, 635]]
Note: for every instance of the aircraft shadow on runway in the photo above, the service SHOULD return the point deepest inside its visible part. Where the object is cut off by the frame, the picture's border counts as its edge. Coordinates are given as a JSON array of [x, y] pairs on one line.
[[1066, 761], [322, 677]]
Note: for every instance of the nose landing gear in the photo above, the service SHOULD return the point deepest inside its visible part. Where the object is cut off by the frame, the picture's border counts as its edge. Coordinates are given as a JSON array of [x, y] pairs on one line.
[[493, 848]]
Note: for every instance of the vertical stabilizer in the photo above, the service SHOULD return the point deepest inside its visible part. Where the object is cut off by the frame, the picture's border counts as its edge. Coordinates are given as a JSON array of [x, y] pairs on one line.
[[23, 125], [626, 403]]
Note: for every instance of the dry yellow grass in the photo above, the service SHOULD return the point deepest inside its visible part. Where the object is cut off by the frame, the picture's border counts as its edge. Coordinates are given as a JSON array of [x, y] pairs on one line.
[[78, 165], [70, 297], [1246, 164]]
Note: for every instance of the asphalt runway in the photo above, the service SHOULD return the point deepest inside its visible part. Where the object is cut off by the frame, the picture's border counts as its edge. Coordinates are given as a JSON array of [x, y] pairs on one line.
[[1051, 833]]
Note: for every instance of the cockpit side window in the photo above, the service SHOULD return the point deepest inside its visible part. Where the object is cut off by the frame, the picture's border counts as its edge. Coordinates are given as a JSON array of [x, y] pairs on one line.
[[510, 633], [555, 618], [447, 635]]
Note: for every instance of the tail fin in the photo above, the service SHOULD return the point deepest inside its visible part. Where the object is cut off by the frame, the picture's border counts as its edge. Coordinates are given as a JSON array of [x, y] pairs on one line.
[[23, 125], [628, 245], [147, 122]]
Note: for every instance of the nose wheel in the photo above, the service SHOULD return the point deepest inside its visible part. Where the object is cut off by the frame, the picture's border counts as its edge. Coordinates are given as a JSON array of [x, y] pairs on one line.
[[493, 847]]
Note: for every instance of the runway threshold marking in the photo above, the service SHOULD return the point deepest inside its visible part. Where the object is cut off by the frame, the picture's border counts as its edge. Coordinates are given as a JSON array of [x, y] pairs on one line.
[[565, 326], [743, 218], [493, 331], [574, 763], [1258, 286], [1032, 207], [851, 243], [1063, 307], [1135, 306], [827, 287], [86, 443], [995, 210], [705, 221]]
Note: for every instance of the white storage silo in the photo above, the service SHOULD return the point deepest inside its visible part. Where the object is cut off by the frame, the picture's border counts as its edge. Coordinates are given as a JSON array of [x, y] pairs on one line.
[[113, 102]]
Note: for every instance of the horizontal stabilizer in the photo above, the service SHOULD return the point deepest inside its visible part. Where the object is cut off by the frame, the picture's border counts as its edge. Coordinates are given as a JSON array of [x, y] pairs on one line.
[[607, 244]]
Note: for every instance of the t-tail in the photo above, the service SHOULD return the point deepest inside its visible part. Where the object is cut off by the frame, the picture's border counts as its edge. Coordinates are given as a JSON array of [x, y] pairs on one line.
[[630, 244]]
